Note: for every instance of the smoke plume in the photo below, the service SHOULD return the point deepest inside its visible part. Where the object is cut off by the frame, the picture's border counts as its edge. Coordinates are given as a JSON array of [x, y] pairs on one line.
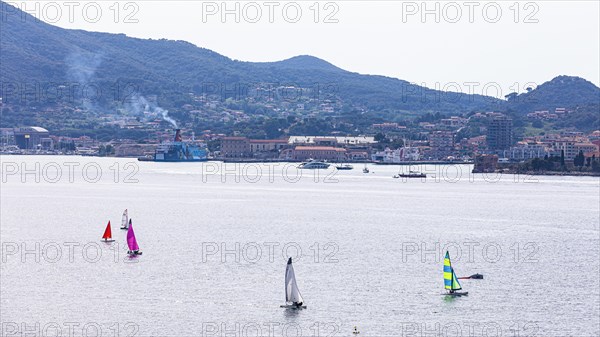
[[81, 68], [139, 105]]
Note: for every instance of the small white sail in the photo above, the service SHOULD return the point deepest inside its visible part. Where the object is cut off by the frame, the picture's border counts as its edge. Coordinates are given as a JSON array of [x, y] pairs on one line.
[[292, 294], [124, 219]]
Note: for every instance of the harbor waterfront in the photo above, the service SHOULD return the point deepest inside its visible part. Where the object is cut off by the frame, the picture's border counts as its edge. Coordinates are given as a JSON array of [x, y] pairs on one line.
[[368, 250]]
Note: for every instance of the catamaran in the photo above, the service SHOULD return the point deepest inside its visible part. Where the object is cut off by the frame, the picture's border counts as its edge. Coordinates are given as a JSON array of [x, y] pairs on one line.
[[124, 220], [292, 294], [107, 236], [450, 280], [134, 249]]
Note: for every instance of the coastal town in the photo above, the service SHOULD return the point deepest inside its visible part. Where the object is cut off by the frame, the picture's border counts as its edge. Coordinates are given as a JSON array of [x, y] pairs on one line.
[[386, 144]]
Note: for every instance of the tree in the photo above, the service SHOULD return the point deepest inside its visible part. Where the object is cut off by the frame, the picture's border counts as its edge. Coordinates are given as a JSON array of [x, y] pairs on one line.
[[380, 137], [579, 160], [562, 158], [537, 124], [511, 96], [595, 164], [537, 164]]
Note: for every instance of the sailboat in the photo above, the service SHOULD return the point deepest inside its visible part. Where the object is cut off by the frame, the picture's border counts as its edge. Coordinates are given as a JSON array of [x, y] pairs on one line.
[[124, 219], [134, 249], [107, 236], [450, 281], [292, 294]]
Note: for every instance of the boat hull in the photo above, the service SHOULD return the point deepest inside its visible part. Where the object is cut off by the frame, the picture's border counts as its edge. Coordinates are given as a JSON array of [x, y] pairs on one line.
[[345, 167], [314, 167], [179, 160], [291, 306], [457, 294]]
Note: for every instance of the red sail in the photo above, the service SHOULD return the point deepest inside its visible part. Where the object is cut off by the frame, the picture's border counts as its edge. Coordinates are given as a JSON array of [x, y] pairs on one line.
[[107, 232]]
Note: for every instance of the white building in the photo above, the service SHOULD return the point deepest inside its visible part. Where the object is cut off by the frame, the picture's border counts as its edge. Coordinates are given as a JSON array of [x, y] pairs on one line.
[[332, 140], [524, 150], [396, 156]]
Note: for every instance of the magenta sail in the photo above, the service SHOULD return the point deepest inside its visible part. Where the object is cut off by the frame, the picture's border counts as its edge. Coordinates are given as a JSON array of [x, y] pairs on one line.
[[131, 241]]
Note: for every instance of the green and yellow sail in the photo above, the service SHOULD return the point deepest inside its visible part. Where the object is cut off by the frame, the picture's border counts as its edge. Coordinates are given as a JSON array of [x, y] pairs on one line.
[[450, 280]]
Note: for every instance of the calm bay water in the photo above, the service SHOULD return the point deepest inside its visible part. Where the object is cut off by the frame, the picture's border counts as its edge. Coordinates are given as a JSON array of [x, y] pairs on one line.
[[367, 250]]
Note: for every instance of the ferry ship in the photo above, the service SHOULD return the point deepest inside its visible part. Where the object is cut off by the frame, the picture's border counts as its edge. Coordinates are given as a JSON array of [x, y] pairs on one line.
[[179, 151]]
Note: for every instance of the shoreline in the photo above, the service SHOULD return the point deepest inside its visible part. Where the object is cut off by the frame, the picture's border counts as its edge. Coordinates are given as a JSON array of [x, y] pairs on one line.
[[552, 173], [412, 163], [429, 162]]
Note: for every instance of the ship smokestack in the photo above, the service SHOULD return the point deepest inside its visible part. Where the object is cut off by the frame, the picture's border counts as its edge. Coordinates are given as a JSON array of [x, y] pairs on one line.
[[178, 135]]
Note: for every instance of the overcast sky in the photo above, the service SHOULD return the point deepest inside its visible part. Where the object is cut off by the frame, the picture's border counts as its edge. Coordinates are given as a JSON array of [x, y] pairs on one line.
[[483, 44]]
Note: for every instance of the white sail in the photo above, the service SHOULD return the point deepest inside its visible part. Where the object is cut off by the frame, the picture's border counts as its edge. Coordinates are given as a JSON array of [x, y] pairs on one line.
[[124, 219], [292, 294]]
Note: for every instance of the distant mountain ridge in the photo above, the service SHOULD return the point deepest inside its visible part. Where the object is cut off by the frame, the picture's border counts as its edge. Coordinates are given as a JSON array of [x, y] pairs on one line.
[[552, 94], [35, 52], [304, 62]]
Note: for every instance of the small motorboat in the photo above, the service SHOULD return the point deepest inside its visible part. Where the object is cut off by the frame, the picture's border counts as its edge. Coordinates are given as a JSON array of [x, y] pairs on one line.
[[344, 167], [412, 174], [472, 277]]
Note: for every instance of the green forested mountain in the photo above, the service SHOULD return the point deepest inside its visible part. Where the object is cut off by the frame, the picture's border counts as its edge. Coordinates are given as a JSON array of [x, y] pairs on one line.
[[561, 92], [33, 51]]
